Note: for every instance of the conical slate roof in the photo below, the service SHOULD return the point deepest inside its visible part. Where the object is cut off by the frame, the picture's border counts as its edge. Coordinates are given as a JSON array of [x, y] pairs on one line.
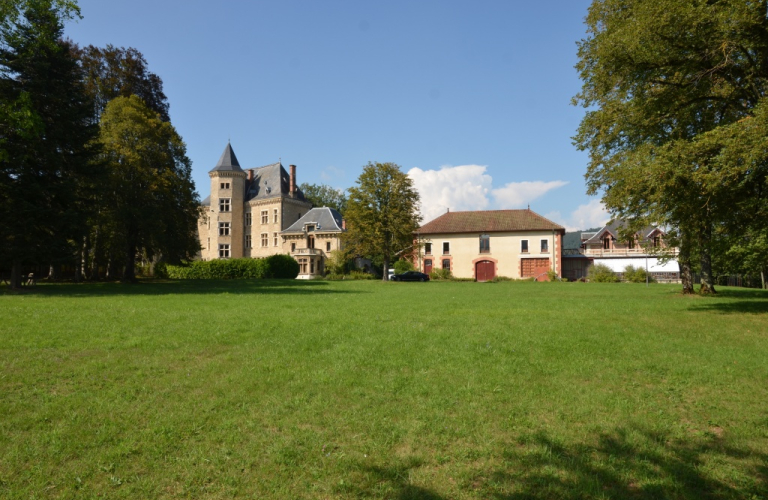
[[228, 161]]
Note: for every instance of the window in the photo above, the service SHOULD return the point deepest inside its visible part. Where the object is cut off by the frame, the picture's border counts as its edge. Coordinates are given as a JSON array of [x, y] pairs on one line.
[[293, 247], [447, 264], [225, 185], [446, 248], [264, 239], [544, 246], [656, 241], [327, 246], [223, 251], [310, 228], [298, 216], [275, 236], [276, 216], [247, 241], [524, 246], [248, 218], [264, 217], [224, 204], [223, 228], [428, 248], [311, 266], [485, 243]]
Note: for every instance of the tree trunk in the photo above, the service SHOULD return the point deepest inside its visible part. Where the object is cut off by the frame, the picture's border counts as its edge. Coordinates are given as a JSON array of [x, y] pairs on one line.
[[684, 261], [705, 249], [762, 278], [78, 272], [54, 272], [129, 273], [385, 277], [16, 274]]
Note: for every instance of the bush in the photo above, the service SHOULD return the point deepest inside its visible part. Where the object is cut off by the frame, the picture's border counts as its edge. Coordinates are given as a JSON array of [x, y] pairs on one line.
[[274, 266], [552, 275], [600, 273], [402, 266], [440, 275], [636, 275], [360, 275], [337, 263], [499, 279]]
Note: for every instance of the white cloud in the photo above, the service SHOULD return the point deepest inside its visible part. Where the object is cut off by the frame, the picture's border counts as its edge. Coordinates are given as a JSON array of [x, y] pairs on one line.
[[518, 194], [592, 214], [464, 187], [469, 187]]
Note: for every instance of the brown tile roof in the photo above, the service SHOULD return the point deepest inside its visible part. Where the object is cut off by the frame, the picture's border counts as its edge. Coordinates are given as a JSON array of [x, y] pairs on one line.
[[487, 221]]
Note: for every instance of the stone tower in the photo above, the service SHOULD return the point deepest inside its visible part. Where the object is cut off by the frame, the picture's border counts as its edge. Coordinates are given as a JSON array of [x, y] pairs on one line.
[[226, 207]]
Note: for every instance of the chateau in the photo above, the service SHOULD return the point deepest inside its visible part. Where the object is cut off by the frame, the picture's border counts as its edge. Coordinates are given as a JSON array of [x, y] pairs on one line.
[[259, 212]]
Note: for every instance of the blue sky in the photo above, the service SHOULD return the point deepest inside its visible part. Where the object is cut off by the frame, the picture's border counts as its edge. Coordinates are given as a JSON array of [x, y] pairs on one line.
[[472, 99]]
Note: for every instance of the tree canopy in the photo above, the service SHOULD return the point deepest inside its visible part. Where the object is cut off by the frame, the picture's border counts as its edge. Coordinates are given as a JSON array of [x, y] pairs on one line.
[[674, 92], [150, 205], [321, 195], [382, 213], [47, 173]]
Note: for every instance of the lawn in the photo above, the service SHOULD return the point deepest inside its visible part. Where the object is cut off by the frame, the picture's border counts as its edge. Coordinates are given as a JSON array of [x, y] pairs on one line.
[[232, 389]]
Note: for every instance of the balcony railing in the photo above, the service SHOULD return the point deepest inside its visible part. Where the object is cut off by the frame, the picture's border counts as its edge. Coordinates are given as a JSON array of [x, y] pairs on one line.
[[620, 252], [307, 251]]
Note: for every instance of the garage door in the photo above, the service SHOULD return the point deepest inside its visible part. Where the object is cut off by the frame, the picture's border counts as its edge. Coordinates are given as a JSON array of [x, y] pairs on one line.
[[485, 270], [534, 267]]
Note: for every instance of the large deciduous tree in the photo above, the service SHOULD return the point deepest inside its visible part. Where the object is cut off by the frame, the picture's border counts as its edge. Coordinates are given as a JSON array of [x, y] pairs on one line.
[[382, 213], [112, 72], [46, 137], [671, 89], [150, 206]]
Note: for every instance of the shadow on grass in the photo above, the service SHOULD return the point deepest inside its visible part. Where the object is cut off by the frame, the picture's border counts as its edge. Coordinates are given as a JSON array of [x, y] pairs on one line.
[[734, 301], [392, 481], [181, 287], [629, 464]]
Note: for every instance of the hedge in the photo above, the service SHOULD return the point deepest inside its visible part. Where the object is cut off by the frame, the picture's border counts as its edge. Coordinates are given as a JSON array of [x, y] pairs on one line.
[[272, 267]]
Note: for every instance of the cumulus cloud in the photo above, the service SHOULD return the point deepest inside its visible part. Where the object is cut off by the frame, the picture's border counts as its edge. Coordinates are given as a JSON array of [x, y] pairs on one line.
[[469, 187], [518, 194], [589, 215], [465, 187]]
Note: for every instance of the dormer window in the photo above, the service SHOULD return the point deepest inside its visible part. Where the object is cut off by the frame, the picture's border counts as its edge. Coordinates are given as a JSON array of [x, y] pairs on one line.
[[310, 227]]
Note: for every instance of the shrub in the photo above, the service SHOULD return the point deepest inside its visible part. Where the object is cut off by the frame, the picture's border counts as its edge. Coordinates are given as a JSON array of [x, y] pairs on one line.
[[552, 275], [360, 275], [636, 275], [440, 275], [600, 273], [282, 266], [402, 266], [275, 266], [337, 263]]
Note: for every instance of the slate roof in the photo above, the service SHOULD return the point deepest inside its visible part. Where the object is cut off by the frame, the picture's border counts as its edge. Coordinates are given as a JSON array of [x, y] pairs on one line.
[[207, 201], [270, 181], [325, 219], [488, 221], [613, 228], [228, 161]]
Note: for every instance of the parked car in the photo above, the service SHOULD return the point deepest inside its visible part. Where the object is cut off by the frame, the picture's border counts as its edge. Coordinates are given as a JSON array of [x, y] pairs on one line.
[[411, 276]]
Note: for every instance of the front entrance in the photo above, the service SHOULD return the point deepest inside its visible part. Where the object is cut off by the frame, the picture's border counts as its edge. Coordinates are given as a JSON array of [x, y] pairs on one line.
[[485, 270], [427, 266]]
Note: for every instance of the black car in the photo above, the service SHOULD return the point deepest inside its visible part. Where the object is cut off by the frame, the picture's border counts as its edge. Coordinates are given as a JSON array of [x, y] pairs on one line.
[[411, 276]]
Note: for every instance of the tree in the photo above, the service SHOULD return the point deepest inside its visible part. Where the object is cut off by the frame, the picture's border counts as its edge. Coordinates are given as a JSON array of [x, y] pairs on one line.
[[150, 205], [46, 148], [660, 80], [321, 195], [116, 71], [382, 213]]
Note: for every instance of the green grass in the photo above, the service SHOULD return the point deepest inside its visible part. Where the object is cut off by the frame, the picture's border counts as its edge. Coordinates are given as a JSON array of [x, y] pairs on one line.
[[289, 390]]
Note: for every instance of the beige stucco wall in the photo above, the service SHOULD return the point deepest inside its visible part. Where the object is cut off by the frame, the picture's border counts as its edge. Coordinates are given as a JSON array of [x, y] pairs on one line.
[[505, 249]]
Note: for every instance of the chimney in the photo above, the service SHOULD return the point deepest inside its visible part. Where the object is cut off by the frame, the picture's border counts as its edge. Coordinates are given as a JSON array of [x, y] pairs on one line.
[[250, 175], [344, 224], [293, 181]]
